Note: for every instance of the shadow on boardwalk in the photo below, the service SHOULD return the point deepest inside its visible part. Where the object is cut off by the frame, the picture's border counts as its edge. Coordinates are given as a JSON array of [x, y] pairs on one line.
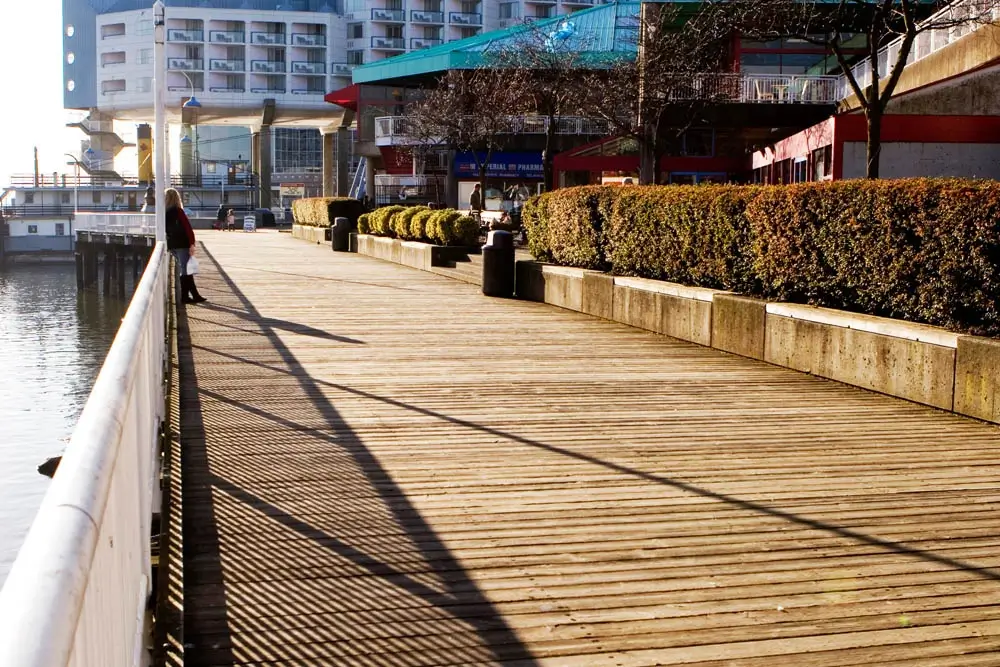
[[299, 547]]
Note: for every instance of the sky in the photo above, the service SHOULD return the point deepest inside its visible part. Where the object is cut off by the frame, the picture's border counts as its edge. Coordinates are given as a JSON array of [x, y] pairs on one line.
[[31, 110]]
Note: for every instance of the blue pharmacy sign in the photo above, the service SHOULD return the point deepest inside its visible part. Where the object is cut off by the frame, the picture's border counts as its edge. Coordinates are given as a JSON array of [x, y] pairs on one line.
[[502, 165]]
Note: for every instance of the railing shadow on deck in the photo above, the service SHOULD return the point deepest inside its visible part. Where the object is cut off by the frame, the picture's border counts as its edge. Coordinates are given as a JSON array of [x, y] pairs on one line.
[[351, 568], [857, 536]]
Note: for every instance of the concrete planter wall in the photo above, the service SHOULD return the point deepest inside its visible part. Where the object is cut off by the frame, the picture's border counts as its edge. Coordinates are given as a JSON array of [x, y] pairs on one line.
[[417, 255], [920, 363], [317, 235]]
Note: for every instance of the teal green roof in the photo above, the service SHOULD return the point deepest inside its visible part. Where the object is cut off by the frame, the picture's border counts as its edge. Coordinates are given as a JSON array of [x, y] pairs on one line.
[[605, 30]]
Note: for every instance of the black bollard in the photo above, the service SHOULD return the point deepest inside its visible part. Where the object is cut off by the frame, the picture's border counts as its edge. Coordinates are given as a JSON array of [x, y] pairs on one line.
[[340, 235], [498, 264]]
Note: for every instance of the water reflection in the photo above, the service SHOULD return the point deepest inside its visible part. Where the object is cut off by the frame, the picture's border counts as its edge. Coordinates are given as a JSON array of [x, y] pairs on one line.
[[53, 340]]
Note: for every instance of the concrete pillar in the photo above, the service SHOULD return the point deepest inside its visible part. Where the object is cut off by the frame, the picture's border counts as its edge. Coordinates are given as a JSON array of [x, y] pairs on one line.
[[343, 188], [187, 153], [109, 267], [120, 266], [264, 149], [330, 164], [79, 269], [255, 160]]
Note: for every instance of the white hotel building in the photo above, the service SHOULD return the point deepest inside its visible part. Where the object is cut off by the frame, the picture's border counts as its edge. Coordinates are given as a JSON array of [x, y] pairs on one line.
[[260, 69]]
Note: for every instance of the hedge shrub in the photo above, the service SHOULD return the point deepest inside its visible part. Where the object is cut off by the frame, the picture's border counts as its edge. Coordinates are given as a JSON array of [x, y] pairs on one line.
[[322, 211], [923, 250], [419, 223]]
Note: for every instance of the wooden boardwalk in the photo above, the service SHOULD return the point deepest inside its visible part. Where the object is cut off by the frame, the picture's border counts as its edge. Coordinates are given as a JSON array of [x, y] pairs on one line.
[[383, 467]]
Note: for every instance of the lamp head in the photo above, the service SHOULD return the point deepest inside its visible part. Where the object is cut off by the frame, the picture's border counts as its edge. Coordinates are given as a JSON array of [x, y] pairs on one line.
[[192, 103]]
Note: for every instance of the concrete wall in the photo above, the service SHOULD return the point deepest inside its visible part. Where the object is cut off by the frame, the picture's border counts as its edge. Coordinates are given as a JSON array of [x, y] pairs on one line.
[[35, 243], [312, 234], [41, 226], [904, 160]]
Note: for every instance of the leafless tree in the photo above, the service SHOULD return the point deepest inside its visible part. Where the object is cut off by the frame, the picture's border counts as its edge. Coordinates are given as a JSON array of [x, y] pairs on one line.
[[682, 70], [468, 110], [548, 68], [890, 29]]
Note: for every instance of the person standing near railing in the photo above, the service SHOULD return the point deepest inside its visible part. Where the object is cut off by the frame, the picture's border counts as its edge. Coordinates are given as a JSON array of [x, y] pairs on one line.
[[180, 242]]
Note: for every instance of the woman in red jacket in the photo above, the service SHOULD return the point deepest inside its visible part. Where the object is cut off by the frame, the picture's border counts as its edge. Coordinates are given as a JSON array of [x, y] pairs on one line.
[[180, 242]]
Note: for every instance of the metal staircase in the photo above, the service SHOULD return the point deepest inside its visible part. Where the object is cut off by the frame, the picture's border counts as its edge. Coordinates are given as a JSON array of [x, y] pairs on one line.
[[358, 190]]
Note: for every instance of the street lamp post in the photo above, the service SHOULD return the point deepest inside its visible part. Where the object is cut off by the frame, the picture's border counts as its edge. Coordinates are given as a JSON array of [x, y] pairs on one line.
[[76, 184], [160, 126]]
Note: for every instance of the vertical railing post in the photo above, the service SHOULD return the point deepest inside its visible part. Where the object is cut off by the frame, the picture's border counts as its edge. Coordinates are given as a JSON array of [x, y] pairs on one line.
[[160, 147]]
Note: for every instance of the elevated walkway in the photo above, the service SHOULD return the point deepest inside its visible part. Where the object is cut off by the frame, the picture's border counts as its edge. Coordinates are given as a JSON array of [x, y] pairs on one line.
[[383, 467]]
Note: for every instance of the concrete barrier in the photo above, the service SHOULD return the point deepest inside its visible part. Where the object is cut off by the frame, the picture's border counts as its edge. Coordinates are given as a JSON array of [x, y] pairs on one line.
[[598, 295], [318, 235], [911, 361], [417, 255], [977, 376], [738, 325], [666, 308]]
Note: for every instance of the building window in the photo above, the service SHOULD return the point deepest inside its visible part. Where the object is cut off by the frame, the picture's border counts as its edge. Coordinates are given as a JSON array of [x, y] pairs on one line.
[[144, 27], [95, 196], [144, 84], [355, 57], [799, 170], [297, 150], [821, 159], [356, 31], [145, 57], [60, 229], [112, 30], [508, 10], [64, 197], [29, 197], [32, 229]]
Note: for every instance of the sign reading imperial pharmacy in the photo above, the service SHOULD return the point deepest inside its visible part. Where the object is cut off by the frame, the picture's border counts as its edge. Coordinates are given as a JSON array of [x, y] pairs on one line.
[[502, 165], [292, 190]]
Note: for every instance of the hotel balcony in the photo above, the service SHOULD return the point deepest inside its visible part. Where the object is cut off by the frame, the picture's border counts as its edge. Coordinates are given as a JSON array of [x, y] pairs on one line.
[[268, 66], [432, 18], [417, 43], [176, 35], [341, 69], [464, 18], [185, 64], [308, 68], [389, 15], [389, 43], [217, 65], [267, 38], [227, 36], [308, 40], [395, 131]]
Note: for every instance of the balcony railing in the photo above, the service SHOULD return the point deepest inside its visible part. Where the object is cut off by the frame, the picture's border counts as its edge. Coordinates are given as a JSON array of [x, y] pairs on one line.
[[465, 18], [396, 129], [218, 65], [177, 35], [389, 15], [420, 16], [267, 38], [268, 66], [186, 64], [308, 91], [417, 43], [267, 91], [389, 43], [308, 68], [308, 39], [227, 36], [77, 592], [978, 14], [341, 69], [227, 89]]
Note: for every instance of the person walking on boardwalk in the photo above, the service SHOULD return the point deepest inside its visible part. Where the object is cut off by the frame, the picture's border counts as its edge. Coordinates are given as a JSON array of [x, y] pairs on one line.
[[476, 200], [180, 242]]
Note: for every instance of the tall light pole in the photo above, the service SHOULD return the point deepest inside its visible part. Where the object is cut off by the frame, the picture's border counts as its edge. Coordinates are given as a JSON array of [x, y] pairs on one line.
[[160, 126], [76, 185]]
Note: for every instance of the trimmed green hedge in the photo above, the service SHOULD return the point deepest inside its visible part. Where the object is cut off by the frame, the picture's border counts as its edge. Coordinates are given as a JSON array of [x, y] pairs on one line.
[[322, 211], [923, 250], [419, 223]]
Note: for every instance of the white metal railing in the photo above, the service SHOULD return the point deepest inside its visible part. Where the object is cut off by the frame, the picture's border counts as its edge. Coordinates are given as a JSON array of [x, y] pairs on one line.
[[76, 595], [979, 12], [398, 127], [132, 224]]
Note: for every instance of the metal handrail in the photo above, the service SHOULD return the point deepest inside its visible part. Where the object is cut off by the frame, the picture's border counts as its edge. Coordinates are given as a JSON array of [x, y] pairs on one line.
[[131, 224], [79, 586]]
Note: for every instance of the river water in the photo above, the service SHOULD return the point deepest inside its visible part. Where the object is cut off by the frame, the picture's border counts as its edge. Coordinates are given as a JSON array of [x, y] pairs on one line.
[[53, 340]]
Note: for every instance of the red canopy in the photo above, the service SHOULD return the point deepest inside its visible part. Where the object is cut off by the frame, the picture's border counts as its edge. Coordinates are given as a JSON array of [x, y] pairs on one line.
[[345, 97]]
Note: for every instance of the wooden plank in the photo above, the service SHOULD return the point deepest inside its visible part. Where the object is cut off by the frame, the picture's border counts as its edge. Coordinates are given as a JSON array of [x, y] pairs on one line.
[[383, 467]]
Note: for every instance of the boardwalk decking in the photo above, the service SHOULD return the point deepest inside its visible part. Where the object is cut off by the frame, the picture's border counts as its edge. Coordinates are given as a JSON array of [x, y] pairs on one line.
[[383, 467]]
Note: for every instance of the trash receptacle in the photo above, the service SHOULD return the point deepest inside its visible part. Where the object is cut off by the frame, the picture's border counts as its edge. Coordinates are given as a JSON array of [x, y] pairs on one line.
[[340, 235], [498, 264]]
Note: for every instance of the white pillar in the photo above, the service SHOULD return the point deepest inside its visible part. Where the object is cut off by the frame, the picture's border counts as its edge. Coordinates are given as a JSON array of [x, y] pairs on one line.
[[160, 148]]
